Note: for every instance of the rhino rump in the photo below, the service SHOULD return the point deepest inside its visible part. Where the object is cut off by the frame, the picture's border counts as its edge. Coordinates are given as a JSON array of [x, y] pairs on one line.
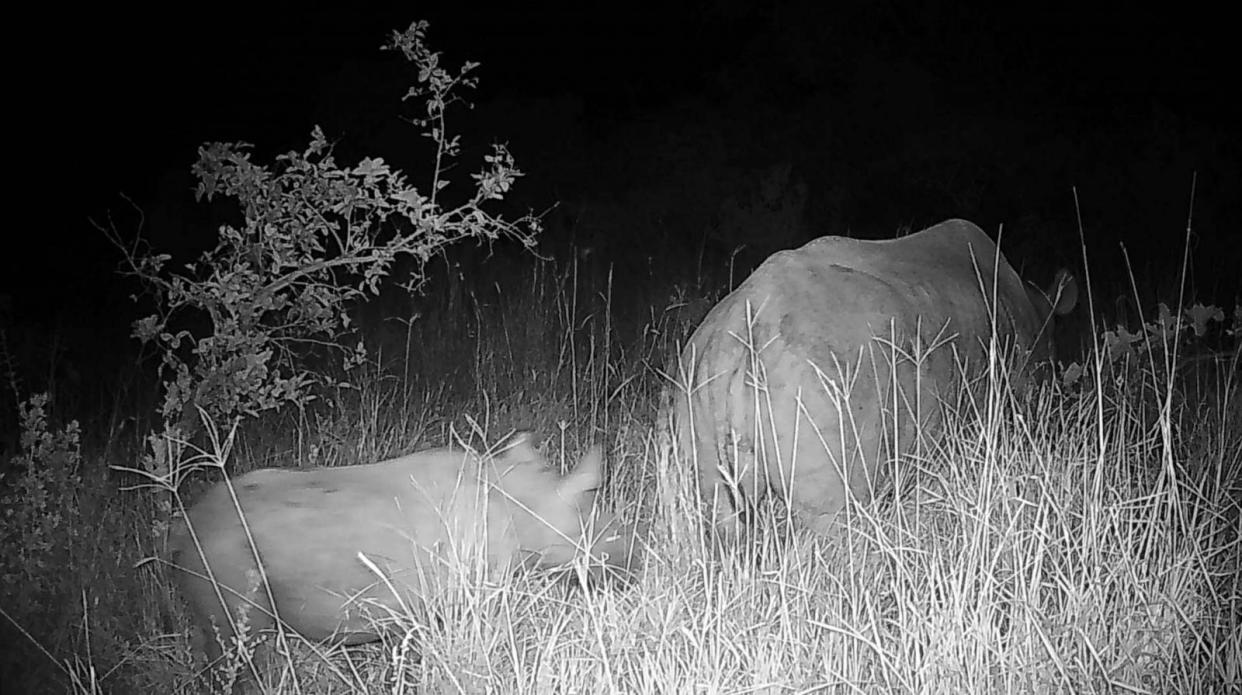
[[832, 357]]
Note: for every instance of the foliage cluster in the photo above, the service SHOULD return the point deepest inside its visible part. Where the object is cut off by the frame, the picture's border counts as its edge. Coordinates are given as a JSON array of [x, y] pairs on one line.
[[316, 237], [38, 498]]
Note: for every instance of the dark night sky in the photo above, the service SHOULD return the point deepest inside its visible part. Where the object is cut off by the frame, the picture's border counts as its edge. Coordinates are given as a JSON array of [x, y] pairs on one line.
[[116, 99], [149, 89]]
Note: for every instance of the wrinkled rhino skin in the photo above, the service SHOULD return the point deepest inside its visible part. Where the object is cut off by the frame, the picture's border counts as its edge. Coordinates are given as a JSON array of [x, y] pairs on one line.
[[425, 520], [820, 319]]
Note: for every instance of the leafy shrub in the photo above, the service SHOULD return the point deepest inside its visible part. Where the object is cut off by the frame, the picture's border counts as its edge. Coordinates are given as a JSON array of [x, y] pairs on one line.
[[38, 496], [246, 327]]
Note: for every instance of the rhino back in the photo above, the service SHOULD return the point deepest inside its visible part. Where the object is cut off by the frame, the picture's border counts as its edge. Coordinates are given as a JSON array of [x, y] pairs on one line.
[[309, 528]]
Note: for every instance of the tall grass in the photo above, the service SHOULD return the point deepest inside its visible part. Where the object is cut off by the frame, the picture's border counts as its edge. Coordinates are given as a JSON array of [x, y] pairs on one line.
[[1068, 542]]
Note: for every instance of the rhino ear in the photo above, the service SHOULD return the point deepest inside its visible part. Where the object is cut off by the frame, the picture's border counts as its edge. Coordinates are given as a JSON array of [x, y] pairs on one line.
[[1064, 292], [586, 476]]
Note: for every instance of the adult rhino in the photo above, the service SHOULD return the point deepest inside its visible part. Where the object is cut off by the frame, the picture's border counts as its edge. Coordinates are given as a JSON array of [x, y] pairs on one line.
[[823, 363]]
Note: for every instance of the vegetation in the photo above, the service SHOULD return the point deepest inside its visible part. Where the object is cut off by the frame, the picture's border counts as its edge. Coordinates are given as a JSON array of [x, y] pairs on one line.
[[1082, 540]]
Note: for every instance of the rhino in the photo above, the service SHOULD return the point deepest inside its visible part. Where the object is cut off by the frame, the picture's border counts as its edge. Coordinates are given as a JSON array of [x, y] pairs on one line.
[[426, 524], [830, 359]]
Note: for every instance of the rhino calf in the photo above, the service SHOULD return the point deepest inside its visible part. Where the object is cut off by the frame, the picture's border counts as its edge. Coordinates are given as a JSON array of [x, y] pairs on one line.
[[428, 522]]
